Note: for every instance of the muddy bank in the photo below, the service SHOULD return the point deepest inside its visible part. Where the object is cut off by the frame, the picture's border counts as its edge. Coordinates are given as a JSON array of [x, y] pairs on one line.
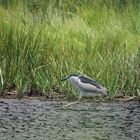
[[39, 120]]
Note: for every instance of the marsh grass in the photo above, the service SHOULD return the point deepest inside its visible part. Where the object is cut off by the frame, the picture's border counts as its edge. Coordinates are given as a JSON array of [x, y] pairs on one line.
[[43, 41]]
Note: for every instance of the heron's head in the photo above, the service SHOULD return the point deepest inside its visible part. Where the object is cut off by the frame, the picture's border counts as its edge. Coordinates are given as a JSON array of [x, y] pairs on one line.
[[70, 76]]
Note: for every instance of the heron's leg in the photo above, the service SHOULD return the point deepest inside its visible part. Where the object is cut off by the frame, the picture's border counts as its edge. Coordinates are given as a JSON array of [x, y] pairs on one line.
[[72, 103], [80, 97]]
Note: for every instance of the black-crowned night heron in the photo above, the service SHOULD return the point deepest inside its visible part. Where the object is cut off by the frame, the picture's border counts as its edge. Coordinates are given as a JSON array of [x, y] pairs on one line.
[[85, 86]]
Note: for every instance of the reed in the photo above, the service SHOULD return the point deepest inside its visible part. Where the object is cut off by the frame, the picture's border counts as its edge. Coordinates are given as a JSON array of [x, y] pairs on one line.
[[42, 41]]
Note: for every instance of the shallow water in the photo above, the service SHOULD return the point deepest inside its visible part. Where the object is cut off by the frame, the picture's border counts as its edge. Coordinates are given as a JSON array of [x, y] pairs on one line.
[[47, 120]]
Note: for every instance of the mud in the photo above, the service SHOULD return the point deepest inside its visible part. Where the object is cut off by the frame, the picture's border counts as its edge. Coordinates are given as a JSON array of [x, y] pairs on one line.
[[48, 120]]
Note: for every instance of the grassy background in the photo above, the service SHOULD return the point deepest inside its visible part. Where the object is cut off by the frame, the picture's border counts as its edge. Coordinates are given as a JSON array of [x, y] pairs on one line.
[[44, 40]]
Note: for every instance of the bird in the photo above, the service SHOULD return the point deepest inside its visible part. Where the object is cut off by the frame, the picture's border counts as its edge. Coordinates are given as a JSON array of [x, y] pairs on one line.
[[86, 86]]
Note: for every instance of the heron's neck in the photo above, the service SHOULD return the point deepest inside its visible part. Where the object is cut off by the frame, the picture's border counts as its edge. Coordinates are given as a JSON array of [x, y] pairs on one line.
[[74, 80]]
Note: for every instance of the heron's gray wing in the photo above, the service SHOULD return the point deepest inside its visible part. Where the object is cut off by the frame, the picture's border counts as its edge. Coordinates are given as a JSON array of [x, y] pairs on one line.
[[89, 81]]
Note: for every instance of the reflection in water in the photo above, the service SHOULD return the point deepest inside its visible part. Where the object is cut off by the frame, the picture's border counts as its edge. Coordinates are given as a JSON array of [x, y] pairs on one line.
[[28, 119]]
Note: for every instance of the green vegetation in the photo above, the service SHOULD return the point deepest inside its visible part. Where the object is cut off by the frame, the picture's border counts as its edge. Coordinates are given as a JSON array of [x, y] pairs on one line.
[[44, 40]]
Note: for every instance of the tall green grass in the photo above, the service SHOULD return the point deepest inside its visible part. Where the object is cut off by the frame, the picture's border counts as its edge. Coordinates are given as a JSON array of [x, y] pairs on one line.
[[42, 41]]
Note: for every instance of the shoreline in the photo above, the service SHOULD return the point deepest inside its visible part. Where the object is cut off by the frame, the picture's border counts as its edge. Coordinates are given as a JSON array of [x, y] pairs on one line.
[[65, 97]]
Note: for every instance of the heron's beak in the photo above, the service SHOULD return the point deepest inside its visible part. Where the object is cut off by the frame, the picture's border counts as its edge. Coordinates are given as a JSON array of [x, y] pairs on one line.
[[66, 78]]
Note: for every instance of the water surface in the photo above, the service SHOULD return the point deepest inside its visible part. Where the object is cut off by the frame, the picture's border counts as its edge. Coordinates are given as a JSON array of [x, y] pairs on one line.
[[47, 120]]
